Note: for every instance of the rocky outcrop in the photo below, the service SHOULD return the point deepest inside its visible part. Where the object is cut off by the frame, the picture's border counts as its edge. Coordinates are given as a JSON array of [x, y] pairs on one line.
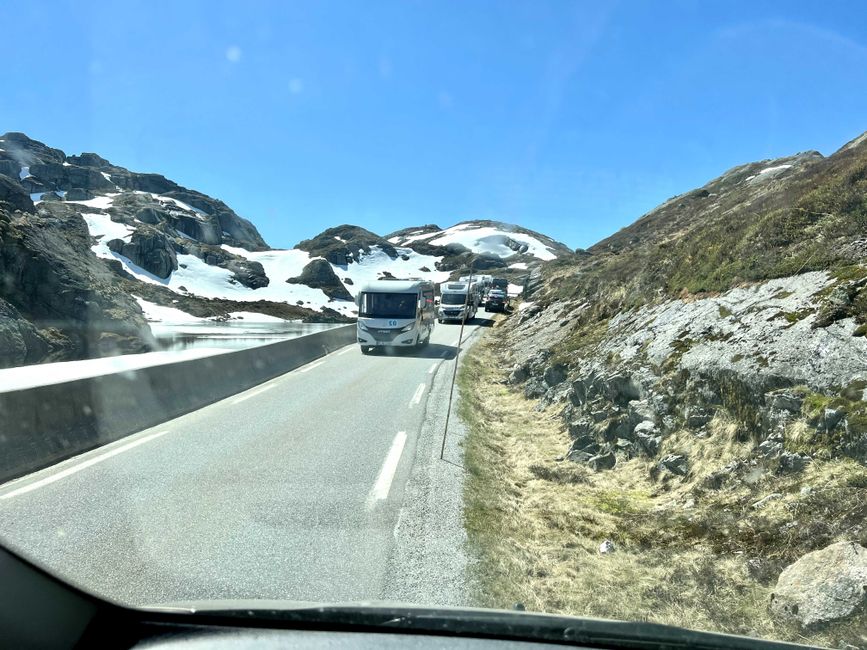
[[152, 251], [825, 586], [343, 245], [20, 341], [14, 196], [59, 300], [319, 275]]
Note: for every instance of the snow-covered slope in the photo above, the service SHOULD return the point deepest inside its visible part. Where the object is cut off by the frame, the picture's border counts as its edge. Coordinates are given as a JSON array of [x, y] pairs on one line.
[[373, 265], [492, 238], [441, 253]]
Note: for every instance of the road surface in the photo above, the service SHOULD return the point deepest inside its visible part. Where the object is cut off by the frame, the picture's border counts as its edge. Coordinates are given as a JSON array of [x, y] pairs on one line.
[[292, 490]]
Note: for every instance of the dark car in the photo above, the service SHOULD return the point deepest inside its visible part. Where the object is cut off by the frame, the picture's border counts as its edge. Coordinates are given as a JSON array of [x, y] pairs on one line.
[[497, 300]]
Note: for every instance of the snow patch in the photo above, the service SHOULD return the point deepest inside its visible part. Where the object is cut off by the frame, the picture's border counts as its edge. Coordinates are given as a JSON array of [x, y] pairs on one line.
[[371, 266], [100, 202], [768, 173], [24, 173], [521, 266], [104, 229], [180, 204], [492, 241]]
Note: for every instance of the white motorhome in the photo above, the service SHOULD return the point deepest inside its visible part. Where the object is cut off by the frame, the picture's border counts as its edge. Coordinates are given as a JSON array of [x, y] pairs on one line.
[[395, 313], [458, 300]]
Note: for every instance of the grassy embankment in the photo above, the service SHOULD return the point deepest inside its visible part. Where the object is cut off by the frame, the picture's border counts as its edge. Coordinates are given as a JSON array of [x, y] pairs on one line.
[[683, 549]]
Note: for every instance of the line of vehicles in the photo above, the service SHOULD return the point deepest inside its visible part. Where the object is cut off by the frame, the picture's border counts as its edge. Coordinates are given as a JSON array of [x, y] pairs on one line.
[[401, 313]]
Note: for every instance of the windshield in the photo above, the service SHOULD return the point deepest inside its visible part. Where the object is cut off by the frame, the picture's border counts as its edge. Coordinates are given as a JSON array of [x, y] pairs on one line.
[[454, 298], [388, 305], [225, 373]]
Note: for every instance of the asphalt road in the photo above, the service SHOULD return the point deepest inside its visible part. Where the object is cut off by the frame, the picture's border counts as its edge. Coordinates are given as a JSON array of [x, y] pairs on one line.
[[292, 490]]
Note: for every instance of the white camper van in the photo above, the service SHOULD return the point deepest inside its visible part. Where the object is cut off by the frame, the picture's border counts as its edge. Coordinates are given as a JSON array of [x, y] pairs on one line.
[[395, 313], [458, 301]]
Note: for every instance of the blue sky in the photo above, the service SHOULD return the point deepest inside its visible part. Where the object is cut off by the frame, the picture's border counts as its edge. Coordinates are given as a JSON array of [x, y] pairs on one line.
[[571, 118]]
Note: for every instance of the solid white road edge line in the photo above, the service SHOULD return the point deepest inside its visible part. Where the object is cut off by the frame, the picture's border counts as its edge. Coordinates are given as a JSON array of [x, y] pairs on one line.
[[417, 397], [254, 393], [312, 366], [80, 466], [444, 354], [386, 475], [433, 367], [349, 348]]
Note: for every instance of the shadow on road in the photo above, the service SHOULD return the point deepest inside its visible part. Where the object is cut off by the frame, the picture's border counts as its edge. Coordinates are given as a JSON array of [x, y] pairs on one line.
[[431, 351]]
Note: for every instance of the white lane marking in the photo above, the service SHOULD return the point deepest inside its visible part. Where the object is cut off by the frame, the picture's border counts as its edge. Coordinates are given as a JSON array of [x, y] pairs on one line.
[[254, 393], [433, 367], [444, 354], [80, 466], [386, 475], [349, 348], [312, 366], [417, 397]]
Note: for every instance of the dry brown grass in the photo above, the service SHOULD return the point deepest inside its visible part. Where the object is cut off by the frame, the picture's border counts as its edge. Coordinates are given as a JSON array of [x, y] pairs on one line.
[[536, 524]]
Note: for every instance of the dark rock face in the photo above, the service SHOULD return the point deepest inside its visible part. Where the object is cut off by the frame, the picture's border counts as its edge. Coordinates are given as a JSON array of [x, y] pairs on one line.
[[20, 341], [149, 215], [206, 232], [14, 195], [9, 168], [79, 194], [59, 300], [152, 251], [319, 275], [62, 177]]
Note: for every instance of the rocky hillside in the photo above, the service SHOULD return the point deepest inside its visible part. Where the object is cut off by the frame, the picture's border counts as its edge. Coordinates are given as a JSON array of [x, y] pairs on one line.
[[712, 357]]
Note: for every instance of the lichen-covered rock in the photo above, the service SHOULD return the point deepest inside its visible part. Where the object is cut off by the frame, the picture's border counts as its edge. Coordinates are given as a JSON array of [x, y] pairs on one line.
[[823, 586]]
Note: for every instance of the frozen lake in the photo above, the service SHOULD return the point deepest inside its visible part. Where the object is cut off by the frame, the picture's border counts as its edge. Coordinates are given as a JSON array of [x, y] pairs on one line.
[[231, 335]]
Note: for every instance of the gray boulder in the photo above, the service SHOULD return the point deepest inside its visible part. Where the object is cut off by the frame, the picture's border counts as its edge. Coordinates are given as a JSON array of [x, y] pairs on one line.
[[318, 274], [823, 586], [250, 274], [791, 463], [784, 401], [674, 463], [151, 251], [602, 461]]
